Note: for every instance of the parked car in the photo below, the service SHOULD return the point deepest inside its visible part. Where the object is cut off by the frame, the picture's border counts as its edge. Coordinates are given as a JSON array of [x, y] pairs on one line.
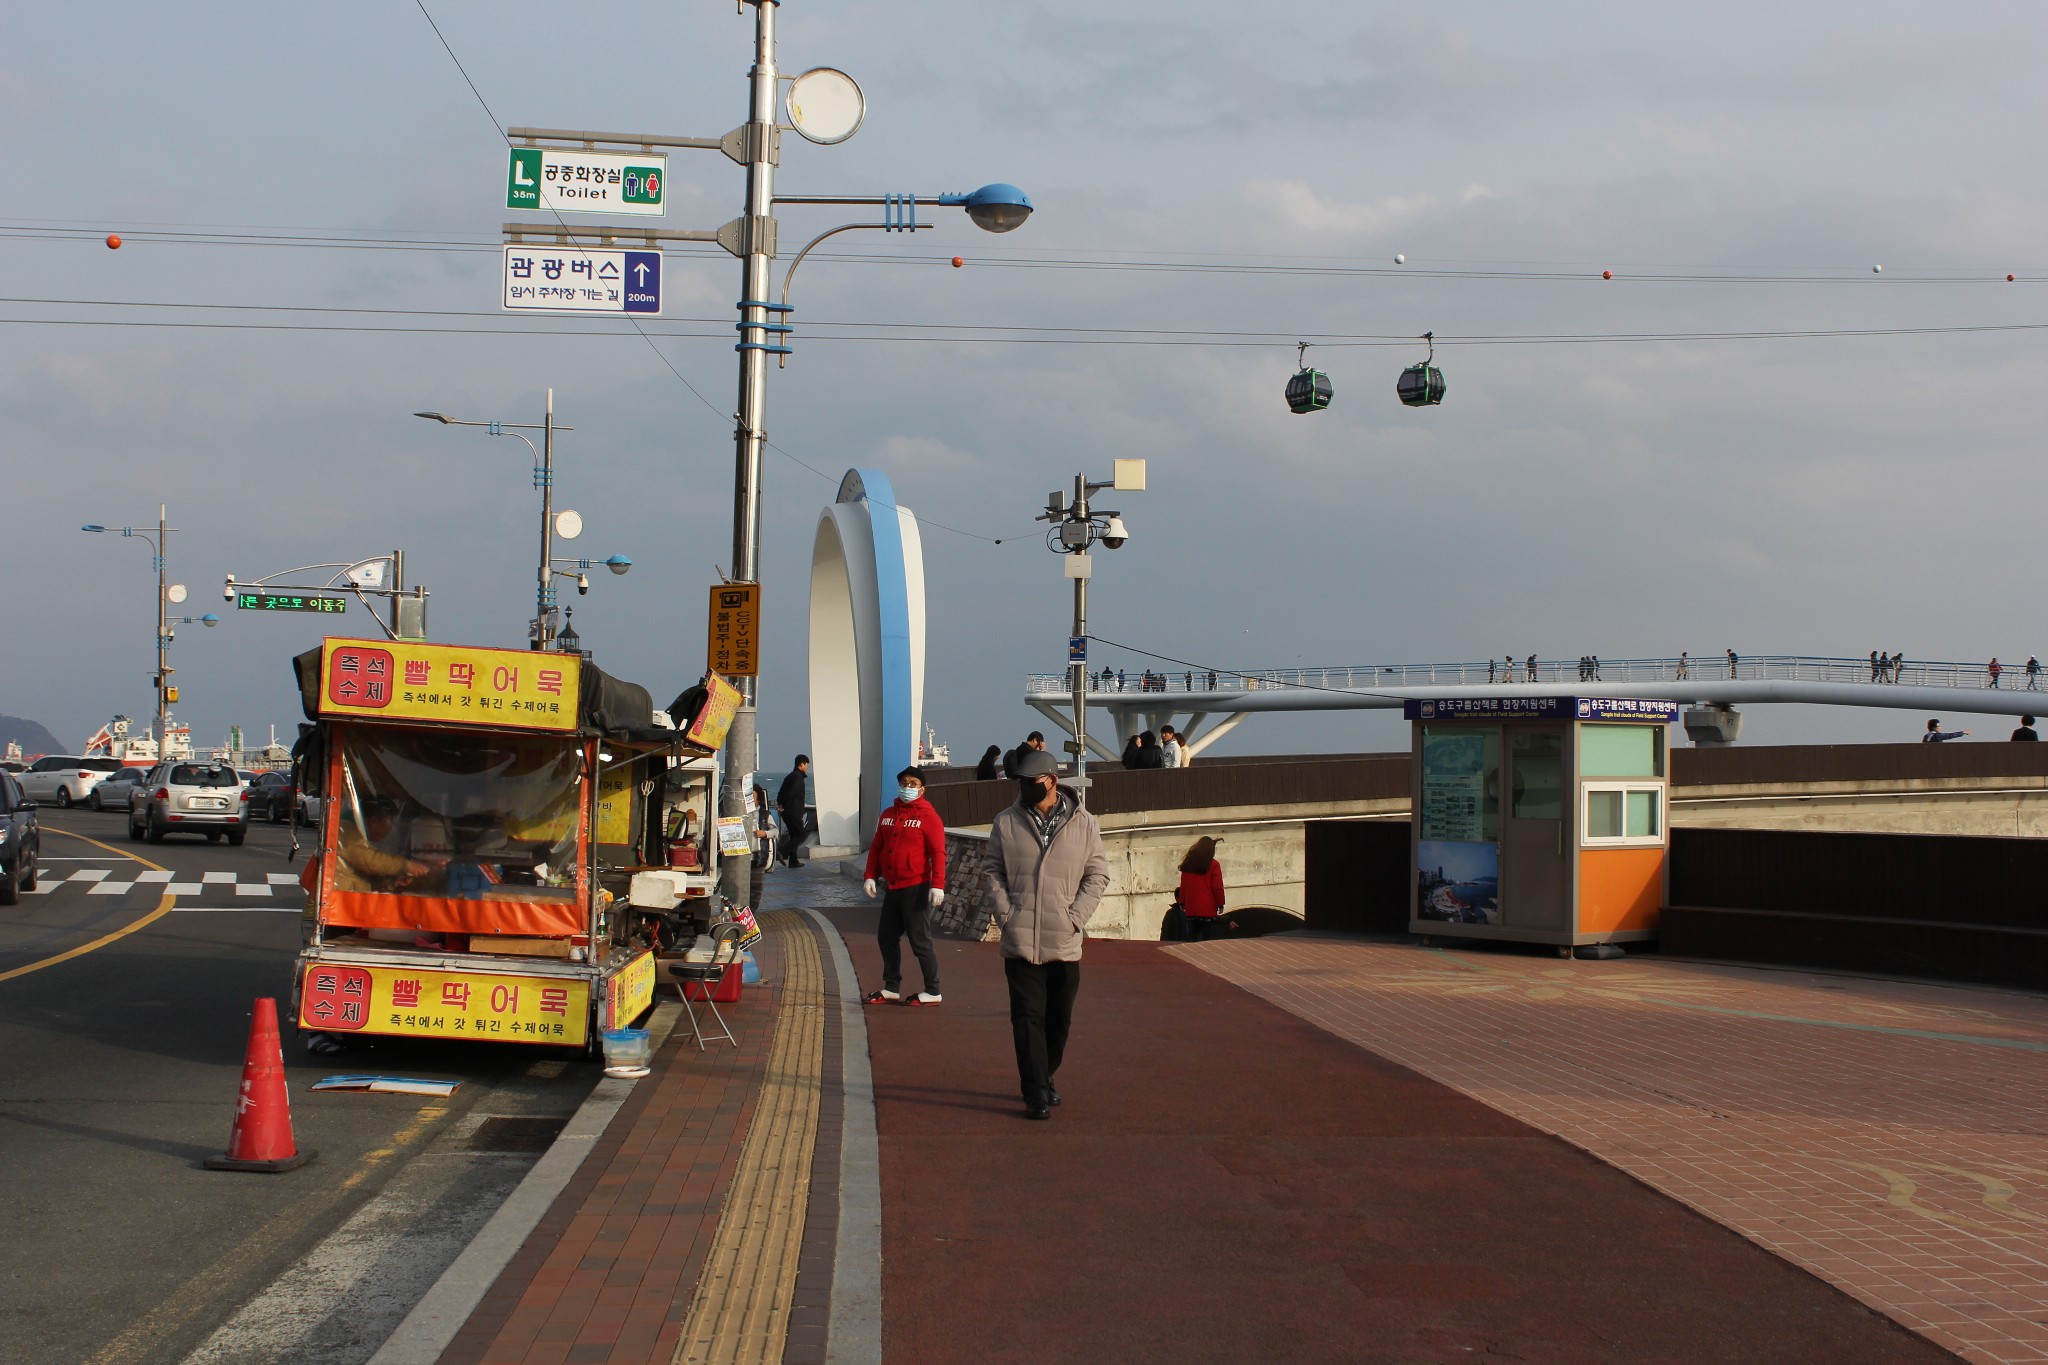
[[310, 808], [118, 790], [270, 796], [189, 797], [66, 779], [21, 844]]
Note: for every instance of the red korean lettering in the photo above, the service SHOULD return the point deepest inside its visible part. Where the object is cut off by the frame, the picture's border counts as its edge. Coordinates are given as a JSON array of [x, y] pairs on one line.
[[505, 679], [455, 995], [462, 675], [504, 998], [405, 995], [554, 1000], [418, 672], [551, 681]]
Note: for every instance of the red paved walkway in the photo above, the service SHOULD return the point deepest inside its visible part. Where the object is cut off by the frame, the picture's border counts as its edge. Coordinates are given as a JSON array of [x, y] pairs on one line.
[[1227, 1182]]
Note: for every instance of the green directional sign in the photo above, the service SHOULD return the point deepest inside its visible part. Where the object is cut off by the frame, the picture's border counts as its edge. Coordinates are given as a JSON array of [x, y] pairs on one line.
[[272, 601], [522, 191]]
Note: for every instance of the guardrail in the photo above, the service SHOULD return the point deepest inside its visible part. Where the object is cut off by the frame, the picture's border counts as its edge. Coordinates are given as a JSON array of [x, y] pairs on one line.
[[1587, 672]]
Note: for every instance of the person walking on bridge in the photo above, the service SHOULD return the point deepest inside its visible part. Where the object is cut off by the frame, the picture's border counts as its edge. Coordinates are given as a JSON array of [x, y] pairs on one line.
[[907, 863], [1936, 735], [2033, 674], [1994, 668], [1046, 874]]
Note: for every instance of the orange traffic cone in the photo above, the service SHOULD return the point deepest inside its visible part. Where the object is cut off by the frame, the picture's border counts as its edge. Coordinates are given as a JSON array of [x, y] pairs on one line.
[[261, 1139]]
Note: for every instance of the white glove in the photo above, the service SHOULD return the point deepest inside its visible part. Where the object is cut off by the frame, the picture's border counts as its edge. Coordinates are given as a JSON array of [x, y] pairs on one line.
[[938, 897], [869, 887]]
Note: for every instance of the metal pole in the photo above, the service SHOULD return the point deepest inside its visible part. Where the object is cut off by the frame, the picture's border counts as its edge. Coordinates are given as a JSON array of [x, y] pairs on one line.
[[163, 660], [741, 748], [397, 588], [1080, 668], [544, 625]]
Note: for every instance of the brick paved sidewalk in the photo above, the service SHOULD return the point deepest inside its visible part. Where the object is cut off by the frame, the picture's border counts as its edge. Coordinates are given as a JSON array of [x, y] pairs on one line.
[[1890, 1137]]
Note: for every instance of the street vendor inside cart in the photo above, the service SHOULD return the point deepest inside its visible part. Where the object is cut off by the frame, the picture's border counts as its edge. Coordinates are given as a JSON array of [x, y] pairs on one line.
[[365, 863]]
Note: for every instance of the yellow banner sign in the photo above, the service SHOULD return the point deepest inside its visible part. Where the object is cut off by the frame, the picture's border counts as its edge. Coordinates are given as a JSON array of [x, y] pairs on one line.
[[430, 1003], [393, 680], [714, 718], [735, 630], [629, 992]]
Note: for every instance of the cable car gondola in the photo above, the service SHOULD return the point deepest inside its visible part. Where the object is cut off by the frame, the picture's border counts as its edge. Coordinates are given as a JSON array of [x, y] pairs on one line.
[[1309, 390], [1422, 386]]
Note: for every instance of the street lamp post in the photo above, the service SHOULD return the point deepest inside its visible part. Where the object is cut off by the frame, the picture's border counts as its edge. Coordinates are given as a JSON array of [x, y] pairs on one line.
[[1076, 527], [544, 480], [158, 549], [763, 325]]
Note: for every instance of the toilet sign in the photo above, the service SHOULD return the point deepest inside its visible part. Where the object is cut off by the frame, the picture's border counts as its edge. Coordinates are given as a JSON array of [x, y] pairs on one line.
[[556, 181]]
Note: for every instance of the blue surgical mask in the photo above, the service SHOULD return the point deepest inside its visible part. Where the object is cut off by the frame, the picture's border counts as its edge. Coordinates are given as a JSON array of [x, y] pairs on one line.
[[910, 793]]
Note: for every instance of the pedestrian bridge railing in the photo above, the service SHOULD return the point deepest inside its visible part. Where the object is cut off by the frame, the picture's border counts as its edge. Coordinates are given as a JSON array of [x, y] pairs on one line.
[[1554, 672]]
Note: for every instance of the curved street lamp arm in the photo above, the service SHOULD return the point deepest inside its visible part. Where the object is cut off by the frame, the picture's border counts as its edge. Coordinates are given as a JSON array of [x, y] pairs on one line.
[[844, 227]]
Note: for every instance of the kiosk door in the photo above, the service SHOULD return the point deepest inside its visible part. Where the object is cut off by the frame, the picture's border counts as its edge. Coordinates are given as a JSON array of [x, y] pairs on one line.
[[1535, 868]]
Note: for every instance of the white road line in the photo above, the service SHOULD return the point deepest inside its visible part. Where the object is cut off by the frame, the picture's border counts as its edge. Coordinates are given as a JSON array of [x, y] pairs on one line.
[[184, 889], [53, 858], [234, 909], [152, 875], [92, 874], [282, 878], [245, 889], [218, 877], [109, 888]]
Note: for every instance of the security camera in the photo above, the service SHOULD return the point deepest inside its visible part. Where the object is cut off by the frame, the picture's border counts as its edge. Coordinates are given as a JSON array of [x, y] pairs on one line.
[[1115, 533], [227, 592], [583, 585]]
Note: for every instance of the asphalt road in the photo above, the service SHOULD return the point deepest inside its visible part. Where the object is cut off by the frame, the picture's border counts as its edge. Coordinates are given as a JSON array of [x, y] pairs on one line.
[[119, 1066]]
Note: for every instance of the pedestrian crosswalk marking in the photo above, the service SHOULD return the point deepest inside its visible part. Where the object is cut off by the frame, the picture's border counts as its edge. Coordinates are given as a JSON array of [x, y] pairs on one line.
[[218, 877], [102, 881], [154, 875]]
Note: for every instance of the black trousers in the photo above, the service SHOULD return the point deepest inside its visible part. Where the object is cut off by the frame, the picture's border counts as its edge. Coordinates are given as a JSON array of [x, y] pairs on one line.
[[1041, 1011], [907, 910], [793, 834]]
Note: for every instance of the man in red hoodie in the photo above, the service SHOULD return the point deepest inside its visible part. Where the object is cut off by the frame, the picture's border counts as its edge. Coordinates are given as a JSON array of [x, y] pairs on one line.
[[907, 861]]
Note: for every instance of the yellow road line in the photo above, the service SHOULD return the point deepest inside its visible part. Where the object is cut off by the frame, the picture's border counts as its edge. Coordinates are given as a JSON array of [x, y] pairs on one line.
[[740, 1314], [202, 1292], [163, 907]]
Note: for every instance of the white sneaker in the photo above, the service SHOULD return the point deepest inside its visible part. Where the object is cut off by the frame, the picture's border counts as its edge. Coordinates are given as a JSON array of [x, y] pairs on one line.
[[924, 998]]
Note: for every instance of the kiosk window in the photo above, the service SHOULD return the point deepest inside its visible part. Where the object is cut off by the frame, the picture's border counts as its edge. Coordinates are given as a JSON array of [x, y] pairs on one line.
[[1620, 814], [1461, 782], [1621, 751]]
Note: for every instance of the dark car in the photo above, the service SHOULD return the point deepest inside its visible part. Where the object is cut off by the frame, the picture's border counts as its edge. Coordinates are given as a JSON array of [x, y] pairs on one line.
[[269, 796], [21, 842]]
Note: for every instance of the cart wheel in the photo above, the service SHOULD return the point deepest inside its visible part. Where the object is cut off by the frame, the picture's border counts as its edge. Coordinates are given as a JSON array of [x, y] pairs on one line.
[[1564, 950]]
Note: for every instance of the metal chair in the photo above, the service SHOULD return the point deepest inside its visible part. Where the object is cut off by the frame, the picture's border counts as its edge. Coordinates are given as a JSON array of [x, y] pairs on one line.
[[725, 939]]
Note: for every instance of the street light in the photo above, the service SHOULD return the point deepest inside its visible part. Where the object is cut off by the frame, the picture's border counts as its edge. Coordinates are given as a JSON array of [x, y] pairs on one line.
[[1075, 528], [572, 525], [164, 596]]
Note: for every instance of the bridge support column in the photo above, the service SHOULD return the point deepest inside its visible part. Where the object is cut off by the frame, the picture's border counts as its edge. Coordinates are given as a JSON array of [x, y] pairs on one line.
[[1713, 726]]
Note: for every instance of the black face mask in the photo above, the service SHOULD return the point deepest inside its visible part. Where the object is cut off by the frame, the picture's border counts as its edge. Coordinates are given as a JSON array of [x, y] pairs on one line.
[[1033, 792]]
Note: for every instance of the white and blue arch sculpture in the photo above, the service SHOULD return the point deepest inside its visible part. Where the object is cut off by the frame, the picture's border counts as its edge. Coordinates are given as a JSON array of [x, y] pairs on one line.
[[867, 655]]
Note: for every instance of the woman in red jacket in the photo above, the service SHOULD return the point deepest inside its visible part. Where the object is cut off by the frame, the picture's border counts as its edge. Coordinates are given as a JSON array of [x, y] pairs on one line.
[[1201, 888], [907, 865]]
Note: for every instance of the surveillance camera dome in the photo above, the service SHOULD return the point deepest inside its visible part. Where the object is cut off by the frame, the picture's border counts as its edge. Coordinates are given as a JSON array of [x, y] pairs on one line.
[[1115, 533]]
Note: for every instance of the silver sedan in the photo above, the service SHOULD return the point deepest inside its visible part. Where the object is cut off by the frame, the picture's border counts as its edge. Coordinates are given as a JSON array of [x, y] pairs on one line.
[[117, 790]]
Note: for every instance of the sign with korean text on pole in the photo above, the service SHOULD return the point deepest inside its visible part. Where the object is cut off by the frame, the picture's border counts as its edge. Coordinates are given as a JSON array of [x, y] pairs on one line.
[[395, 680], [735, 628], [552, 180], [577, 279], [276, 601]]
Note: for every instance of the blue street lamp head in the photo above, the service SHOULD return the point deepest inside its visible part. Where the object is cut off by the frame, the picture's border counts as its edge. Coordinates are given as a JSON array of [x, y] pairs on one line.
[[209, 620], [994, 208], [92, 528], [618, 564]]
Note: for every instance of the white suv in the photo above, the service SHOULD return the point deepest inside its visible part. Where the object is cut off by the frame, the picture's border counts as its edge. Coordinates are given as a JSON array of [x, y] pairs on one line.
[[65, 778], [189, 797]]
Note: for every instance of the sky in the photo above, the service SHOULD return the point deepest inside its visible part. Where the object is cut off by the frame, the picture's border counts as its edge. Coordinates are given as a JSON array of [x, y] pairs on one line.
[[310, 199]]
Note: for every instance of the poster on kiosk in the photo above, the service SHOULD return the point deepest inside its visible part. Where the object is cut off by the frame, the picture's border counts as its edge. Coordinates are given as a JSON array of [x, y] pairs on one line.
[[1539, 819]]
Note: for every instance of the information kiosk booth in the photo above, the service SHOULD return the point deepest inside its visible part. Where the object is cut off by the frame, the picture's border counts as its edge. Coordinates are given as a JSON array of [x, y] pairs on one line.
[[1539, 819]]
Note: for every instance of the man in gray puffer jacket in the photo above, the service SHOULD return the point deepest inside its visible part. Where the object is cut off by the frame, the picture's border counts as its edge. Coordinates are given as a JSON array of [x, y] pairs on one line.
[[1046, 874]]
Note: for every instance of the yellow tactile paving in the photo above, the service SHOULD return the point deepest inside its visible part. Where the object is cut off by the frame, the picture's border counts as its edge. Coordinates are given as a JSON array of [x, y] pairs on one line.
[[740, 1314]]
